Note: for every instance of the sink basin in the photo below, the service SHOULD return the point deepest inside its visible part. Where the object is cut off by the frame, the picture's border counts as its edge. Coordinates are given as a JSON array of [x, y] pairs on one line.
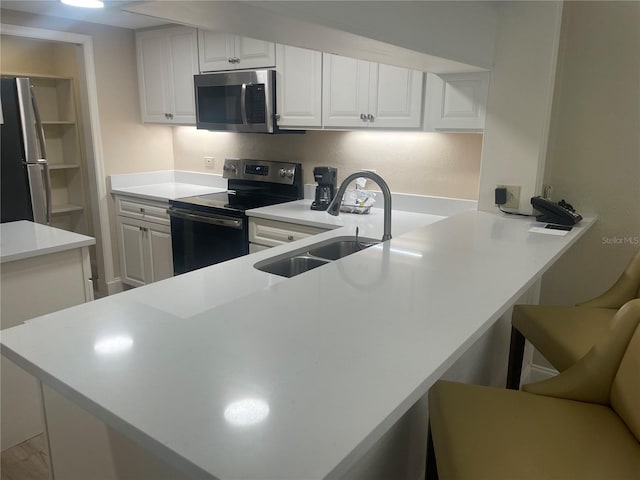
[[304, 259], [290, 266], [340, 247]]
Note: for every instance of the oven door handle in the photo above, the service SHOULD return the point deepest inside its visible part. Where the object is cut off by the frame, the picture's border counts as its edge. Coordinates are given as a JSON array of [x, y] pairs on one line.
[[213, 220]]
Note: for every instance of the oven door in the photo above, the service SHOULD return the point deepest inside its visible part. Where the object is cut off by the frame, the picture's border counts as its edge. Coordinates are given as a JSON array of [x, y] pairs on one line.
[[201, 239]]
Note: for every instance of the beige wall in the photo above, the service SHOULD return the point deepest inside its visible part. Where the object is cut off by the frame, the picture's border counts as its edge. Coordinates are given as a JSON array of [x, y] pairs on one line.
[[411, 162], [28, 56], [594, 146]]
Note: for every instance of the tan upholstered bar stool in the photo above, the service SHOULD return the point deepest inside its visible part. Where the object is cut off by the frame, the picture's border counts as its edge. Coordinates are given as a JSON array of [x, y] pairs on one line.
[[563, 334], [583, 423]]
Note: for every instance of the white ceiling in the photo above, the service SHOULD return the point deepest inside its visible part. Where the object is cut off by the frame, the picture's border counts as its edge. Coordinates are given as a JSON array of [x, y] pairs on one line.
[[110, 15]]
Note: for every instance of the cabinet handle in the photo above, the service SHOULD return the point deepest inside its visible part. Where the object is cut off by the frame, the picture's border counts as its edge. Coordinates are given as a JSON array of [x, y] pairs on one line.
[[236, 60], [370, 117], [166, 115], [142, 211], [290, 238], [363, 116]]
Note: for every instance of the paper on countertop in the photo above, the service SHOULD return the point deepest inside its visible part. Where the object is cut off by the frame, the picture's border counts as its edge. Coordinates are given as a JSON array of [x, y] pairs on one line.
[[540, 228], [357, 201]]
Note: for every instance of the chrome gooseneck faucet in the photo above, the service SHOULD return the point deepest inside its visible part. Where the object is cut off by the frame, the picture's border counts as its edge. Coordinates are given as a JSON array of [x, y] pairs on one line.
[[334, 206]]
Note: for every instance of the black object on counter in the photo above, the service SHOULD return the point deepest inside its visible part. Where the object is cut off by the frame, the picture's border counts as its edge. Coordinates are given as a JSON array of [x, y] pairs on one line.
[[327, 178]]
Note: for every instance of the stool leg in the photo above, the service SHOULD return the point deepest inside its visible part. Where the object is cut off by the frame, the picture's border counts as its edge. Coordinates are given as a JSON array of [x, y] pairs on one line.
[[431, 469], [516, 354]]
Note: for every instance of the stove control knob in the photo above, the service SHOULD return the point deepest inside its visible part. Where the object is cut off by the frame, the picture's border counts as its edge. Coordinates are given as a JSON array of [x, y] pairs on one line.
[[230, 168], [286, 172]]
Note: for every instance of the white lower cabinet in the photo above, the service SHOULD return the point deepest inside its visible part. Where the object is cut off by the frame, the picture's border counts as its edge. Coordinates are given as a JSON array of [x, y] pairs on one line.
[[144, 238], [456, 102], [32, 287], [265, 233], [83, 447]]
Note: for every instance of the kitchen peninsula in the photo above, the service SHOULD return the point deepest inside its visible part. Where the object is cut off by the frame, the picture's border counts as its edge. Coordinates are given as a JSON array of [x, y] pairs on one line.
[[43, 269], [256, 376]]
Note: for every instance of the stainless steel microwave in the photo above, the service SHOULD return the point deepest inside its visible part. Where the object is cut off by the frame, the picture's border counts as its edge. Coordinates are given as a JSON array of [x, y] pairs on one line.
[[239, 101]]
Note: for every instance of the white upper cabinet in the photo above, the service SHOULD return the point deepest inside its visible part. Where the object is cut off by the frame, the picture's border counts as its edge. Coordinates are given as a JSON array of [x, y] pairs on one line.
[[167, 61], [396, 99], [456, 102], [345, 95], [358, 93], [298, 87], [223, 51]]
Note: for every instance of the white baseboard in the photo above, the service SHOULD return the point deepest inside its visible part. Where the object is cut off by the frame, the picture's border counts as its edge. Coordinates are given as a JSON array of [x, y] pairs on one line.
[[115, 286], [537, 373]]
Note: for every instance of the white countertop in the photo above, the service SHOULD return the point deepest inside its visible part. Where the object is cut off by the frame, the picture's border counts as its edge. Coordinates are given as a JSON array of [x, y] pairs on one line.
[[24, 239], [166, 184], [330, 359], [166, 191], [299, 212]]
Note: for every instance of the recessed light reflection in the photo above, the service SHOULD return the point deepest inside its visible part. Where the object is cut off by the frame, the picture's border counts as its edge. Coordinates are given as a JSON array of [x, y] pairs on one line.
[[399, 251], [246, 412], [84, 3], [113, 344]]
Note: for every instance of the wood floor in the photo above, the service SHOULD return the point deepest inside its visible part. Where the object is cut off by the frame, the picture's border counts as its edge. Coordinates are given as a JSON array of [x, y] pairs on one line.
[[27, 461]]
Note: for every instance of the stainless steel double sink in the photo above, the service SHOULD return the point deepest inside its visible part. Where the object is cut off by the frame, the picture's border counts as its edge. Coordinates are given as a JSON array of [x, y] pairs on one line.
[[313, 256]]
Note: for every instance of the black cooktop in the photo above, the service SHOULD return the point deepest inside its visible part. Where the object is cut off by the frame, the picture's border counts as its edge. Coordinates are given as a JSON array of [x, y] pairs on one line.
[[229, 201]]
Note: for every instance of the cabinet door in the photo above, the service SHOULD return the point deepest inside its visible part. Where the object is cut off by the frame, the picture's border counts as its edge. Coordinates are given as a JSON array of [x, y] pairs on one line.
[[271, 233], [215, 51], [182, 48], [132, 252], [299, 87], [456, 102], [395, 99], [345, 96], [158, 240], [153, 77], [252, 53]]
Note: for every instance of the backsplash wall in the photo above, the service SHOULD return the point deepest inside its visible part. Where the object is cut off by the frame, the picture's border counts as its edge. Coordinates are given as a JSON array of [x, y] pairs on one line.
[[438, 164]]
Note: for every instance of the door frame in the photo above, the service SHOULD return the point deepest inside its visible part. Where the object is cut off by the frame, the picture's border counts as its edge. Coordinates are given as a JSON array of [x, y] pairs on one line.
[[107, 284]]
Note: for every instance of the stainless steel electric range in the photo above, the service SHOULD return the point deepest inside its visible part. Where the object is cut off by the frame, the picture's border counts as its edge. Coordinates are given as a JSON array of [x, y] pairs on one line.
[[209, 229]]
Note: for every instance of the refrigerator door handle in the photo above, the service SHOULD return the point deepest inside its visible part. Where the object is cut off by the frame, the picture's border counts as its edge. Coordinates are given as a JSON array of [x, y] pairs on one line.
[[43, 156], [47, 188]]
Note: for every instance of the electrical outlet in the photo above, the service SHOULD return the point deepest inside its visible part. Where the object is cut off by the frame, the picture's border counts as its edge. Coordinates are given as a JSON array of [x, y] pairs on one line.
[[363, 185], [209, 162], [513, 196]]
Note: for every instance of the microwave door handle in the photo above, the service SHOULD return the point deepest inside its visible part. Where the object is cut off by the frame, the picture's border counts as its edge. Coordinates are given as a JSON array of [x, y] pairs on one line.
[[243, 103]]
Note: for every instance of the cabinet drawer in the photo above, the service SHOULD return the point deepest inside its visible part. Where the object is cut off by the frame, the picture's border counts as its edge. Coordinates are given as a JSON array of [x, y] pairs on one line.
[[271, 233], [143, 210]]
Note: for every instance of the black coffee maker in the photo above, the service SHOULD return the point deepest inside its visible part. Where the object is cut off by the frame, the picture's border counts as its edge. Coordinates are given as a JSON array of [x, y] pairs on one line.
[[327, 178]]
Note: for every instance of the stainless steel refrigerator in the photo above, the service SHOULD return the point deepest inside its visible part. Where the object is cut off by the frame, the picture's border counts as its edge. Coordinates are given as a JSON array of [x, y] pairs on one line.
[[26, 187]]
